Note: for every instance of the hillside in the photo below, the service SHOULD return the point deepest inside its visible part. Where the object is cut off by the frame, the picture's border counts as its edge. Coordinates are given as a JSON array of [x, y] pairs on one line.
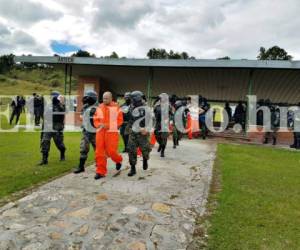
[[28, 81]]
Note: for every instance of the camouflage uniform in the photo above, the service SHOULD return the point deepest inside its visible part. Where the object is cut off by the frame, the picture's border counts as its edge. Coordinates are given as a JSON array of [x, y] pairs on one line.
[[123, 129], [55, 132], [275, 124], [202, 118], [161, 130], [293, 117], [58, 138], [88, 137], [136, 139], [89, 102], [177, 134]]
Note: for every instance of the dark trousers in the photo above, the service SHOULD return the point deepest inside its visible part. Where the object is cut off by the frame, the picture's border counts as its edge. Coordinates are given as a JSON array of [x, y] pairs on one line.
[[37, 115], [297, 140], [87, 139], [161, 137], [137, 140], [16, 113], [58, 138], [272, 134]]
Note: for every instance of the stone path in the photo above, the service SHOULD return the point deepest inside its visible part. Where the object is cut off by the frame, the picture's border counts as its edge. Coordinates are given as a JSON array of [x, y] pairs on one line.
[[156, 209]]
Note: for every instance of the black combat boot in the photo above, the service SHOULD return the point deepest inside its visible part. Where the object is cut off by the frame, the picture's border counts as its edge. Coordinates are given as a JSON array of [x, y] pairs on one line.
[[297, 143], [118, 166], [80, 168], [266, 141], [162, 152], [159, 149], [274, 141], [44, 161], [99, 176], [174, 143], [62, 155], [145, 164], [132, 171]]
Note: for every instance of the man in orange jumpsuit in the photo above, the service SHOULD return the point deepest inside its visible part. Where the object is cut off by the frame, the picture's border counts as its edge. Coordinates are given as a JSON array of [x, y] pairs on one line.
[[107, 120]]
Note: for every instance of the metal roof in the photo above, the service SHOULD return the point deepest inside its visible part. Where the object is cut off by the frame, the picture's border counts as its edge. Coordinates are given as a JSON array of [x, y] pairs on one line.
[[215, 79], [192, 63]]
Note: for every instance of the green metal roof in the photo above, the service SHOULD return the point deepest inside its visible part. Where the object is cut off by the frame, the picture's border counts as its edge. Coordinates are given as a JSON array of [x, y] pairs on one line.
[[161, 63]]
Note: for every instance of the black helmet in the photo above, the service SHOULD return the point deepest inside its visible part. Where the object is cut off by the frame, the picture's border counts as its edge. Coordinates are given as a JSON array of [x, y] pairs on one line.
[[137, 97], [127, 95], [55, 94], [90, 97], [268, 102], [178, 104]]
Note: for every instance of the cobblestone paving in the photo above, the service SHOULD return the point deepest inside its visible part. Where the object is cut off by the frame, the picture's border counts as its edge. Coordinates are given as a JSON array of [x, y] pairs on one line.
[[156, 209]]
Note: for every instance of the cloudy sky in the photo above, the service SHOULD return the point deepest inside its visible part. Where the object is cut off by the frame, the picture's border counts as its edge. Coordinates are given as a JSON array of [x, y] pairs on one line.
[[203, 28]]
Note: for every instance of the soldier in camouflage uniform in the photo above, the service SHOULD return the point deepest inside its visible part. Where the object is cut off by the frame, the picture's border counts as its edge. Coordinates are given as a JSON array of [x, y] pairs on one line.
[[274, 120], [162, 113], [89, 101], [53, 127], [180, 107], [139, 135], [294, 118], [203, 109], [125, 110]]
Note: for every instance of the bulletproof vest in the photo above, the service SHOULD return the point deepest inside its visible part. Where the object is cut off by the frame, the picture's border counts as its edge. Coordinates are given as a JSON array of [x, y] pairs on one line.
[[137, 113], [59, 119], [88, 113], [204, 106], [260, 117], [184, 114], [158, 112], [52, 115], [37, 102], [275, 118]]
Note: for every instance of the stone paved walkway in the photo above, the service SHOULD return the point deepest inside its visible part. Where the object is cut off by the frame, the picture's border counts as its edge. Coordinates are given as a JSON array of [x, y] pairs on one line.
[[154, 210]]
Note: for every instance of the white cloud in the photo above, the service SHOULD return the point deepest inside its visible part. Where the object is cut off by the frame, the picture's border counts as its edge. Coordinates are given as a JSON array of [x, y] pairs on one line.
[[205, 29], [26, 12]]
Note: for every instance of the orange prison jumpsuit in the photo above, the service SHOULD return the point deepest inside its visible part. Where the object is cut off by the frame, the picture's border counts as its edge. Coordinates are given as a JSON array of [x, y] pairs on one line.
[[189, 126], [107, 139]]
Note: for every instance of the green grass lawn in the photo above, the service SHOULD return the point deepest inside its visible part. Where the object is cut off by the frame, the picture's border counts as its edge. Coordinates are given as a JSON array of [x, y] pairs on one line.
[[259, 202], [20, 153]]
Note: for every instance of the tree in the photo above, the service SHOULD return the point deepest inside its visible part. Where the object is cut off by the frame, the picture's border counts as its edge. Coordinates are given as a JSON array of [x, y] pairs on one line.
[[273, 53], [114, 55], [83, 53], [6, 63], [157, 54], [185, 55], [224, 58], [163, 54], [174, 55]]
